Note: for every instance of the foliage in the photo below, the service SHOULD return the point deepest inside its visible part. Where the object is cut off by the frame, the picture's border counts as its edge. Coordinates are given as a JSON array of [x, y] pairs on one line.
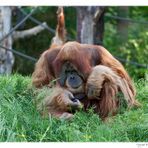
[[136, 47], [19, 120]]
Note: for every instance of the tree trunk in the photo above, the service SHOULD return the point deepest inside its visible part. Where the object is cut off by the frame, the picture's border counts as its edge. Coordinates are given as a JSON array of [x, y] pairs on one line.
[[6, 57], [122, 26], [90, 24]]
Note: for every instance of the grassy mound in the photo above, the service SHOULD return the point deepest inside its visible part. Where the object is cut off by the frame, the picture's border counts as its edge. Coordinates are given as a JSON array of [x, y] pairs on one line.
[[19, 120]]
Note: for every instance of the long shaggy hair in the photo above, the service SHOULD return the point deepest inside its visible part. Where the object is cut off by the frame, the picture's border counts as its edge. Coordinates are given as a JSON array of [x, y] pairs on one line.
[[104, 84], [57, 102]]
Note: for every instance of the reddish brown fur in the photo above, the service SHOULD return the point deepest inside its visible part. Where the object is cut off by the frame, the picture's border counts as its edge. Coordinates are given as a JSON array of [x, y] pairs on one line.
[[43, 73], [104, 84], [109, 61], [60, 35], [83, 57], [59, 104]]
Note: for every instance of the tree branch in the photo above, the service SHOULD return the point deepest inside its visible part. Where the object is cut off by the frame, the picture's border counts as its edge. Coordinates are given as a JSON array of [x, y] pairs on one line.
[[29, 32]]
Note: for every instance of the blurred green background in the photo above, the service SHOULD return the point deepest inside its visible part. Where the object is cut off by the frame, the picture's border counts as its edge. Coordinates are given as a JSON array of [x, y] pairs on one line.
[[133, 48]]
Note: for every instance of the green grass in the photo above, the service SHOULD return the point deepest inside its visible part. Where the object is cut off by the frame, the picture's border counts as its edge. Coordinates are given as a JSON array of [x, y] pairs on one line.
[[19, 120]]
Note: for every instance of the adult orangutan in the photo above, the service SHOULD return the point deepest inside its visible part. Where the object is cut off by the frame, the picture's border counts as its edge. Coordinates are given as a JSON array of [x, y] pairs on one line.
[[71, 64]]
